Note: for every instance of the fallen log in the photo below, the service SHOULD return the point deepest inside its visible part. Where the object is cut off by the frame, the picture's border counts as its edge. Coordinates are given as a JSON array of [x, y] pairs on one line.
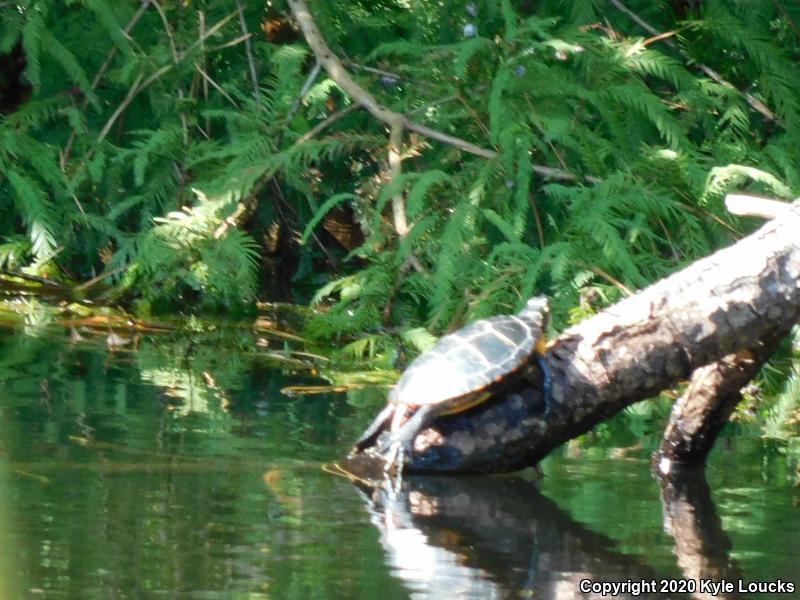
[[721, 305]]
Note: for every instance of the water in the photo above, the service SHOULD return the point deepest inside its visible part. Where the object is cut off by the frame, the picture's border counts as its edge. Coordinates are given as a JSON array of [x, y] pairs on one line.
[[178, 469]]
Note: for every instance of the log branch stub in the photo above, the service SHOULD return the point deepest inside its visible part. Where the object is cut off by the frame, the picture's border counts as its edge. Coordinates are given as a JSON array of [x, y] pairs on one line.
[[702, 411]]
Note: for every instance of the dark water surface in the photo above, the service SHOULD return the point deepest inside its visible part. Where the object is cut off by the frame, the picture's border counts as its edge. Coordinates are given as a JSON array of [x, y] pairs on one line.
[[178, 470]]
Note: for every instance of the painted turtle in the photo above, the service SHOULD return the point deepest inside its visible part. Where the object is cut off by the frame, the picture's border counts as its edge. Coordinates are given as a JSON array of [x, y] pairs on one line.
[[462, 370]]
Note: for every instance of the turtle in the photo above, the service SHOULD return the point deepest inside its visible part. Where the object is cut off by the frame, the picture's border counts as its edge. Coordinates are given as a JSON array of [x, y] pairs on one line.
[[462, 370]]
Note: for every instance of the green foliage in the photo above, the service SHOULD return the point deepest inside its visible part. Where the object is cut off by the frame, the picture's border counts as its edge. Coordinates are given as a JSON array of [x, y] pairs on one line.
[[97, 167], [185, 253]]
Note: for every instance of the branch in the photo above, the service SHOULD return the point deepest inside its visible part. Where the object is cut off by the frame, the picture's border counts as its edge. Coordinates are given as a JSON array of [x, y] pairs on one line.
[[201, 26], [174, 49], [398, 201], [395, 171], [312, 77], [167, 29], [123, 105], [449, 139], [702, 411], [138, 87], [333, 65], [323, 125], [99, 75], [745, 205], [754, 102], [249, 52], [699, 415], [33, 278], [207, 79]]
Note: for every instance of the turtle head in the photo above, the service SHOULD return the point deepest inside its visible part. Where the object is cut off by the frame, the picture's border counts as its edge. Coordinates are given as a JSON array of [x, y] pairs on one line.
[[537, 309]]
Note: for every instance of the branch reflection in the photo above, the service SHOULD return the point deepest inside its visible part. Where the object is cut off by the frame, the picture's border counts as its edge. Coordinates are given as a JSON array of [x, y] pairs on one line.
[[701, 546]]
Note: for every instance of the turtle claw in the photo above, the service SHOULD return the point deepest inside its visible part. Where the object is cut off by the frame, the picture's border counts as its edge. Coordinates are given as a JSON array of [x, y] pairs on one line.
[[395, 451], [395, 457], [393, 468]]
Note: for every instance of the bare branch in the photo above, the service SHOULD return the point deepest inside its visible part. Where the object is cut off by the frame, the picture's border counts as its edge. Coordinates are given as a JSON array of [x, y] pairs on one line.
[[395, 171], [702, 411], [138, 87], [754, 102], [333, 65], [201, 26], [167, 30], [249, 52], [450, 140], [125, 102], [231, 43], [174, 50], [312, 77], [207, 79], [99, 75], [754, 206], [323, 125]]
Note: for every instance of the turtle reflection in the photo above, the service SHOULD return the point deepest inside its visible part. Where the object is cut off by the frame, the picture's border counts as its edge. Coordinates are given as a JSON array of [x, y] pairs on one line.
[[492, 537]]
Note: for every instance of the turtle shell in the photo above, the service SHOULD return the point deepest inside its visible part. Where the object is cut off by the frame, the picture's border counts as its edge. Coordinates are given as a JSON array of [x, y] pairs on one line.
[[473, 359]]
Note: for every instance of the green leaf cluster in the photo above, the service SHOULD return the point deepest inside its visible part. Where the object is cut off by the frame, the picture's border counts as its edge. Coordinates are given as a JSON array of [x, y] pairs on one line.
[[130, 115]]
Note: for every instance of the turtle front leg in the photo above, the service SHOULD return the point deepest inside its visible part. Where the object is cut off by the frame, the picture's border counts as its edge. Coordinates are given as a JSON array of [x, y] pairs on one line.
[[371, 432], [401, 440], [547, 383]]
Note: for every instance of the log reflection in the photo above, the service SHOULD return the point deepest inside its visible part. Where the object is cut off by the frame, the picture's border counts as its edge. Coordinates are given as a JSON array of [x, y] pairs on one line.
[[493, 538]]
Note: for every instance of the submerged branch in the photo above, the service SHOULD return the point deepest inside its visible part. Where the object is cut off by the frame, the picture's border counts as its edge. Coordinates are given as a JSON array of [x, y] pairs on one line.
[[703, 410]]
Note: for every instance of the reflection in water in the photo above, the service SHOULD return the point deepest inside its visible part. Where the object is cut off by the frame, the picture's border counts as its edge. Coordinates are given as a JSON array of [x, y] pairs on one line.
[[176, 468], [8, 579], [493, 537], [701, 546], [131, 474]]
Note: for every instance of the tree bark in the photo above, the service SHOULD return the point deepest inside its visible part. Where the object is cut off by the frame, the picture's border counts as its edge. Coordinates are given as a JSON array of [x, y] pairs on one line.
[[721, 305]]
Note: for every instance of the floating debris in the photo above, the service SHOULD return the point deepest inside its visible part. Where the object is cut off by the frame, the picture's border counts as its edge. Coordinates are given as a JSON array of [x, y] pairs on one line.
[[310, 390]]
